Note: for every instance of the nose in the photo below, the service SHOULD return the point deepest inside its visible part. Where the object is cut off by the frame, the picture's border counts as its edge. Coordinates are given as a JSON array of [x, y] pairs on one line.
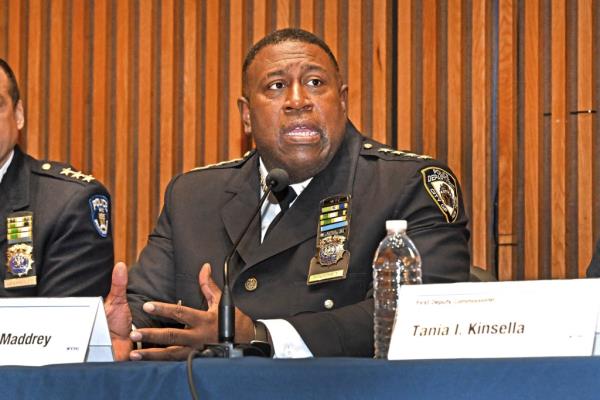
[[297, 98]]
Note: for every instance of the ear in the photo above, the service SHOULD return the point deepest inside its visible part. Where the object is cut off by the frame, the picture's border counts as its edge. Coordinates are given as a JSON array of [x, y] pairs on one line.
[[344, 98], [244, 107], [19, 115]]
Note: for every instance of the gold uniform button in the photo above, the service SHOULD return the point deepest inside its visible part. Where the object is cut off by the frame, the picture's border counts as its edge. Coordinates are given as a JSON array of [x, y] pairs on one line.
[[328, 304], [251, 284], [46, 166], [367, 146]]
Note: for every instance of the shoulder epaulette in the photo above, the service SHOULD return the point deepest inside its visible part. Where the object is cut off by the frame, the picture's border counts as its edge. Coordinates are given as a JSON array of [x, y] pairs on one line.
[[226, 164], [387, 153], [63, 171]]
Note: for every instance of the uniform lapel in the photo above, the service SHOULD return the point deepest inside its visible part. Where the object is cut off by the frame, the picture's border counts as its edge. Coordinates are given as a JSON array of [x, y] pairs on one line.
[[15, 184], [236, 211], [14, 194], [300, 221], [5, 209]]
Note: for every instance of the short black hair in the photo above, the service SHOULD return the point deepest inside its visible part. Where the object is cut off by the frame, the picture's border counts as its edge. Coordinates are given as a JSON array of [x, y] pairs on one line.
[[286, 35], [13, 87]]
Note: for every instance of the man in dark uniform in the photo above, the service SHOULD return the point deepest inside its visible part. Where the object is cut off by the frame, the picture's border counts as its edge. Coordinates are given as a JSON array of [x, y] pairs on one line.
[[55, 236], [308, 279], [593, 270]]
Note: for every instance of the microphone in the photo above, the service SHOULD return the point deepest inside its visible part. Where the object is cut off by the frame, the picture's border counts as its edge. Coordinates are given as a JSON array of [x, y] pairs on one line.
[[276, 181]]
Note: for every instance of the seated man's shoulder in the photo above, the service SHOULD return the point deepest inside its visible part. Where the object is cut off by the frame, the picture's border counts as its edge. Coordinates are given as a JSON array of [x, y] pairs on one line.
[[393, 158], [221, 168], [77, 194], [227, 164], [54, 174]]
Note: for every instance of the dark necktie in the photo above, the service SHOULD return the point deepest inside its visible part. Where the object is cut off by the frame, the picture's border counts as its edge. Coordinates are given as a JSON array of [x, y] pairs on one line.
[[284, 198]]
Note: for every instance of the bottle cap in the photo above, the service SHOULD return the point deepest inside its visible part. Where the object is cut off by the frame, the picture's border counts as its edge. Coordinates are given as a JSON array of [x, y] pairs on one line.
[[396, 225]]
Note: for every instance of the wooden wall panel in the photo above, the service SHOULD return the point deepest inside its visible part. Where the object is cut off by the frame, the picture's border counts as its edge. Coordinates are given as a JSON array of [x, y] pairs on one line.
[[167, 94], [456, 79], [430, 77], [480, 196], [585, 155], [558, 138], [405, 70], [532, 126], [143, 169], [122, 113], [13, 43], [380, 54], [3, 27], [136, 91], [100, 80], [507, 130], [211, 84], [283, 13], [355, 61], [190, 77], [31, 88], [56, 93], [307, 14], [77, 85], [236, 58]]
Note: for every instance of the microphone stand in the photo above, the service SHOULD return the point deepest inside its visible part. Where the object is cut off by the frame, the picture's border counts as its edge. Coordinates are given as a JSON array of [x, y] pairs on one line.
[[276, 181]]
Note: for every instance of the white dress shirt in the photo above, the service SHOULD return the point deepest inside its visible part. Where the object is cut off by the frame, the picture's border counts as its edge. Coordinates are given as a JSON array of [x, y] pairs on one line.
[[4, 167], [287, 342]]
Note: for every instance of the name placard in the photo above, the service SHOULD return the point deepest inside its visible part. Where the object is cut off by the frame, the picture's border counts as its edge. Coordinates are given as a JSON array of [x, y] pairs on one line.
[[41, 331], [496, 319]]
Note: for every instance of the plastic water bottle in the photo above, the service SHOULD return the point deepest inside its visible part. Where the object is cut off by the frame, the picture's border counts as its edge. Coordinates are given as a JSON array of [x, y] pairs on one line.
[[397, 262]]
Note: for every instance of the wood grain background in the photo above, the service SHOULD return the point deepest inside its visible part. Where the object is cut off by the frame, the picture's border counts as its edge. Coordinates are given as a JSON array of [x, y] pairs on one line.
[[136, 91]]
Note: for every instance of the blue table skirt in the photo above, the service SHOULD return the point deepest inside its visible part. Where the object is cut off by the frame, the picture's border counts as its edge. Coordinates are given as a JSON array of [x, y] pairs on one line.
[[325, 378]]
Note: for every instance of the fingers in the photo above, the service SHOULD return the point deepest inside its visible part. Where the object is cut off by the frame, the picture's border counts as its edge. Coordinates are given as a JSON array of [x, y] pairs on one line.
[[209, 288], [118, 314], [173, 353], [164, 336], [195, 338], [118, 287], [184, 315]]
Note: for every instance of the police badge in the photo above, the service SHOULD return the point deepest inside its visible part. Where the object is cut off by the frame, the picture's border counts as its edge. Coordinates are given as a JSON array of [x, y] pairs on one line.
[[442, 188], [20, 259], [19, 256], [332, 258], [331, 249], [100, 213]]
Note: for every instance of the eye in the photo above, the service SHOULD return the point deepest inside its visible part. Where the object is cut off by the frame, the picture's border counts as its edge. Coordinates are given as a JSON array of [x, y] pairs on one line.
[[314, 82], [276, 85]]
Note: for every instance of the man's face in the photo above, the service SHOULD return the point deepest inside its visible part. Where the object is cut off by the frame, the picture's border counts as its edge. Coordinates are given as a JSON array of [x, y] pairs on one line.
[[11, 119], [295, 108]]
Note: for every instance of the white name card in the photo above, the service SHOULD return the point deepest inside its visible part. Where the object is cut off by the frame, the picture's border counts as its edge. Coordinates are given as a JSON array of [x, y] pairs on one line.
[[496, 319], [41, 331]]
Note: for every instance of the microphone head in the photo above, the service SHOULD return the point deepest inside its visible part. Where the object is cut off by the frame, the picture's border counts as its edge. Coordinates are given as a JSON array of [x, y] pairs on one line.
[[278, 179]]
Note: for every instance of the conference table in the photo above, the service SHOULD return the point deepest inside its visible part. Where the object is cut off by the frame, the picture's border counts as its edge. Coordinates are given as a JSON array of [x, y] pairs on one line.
[[323, 378]]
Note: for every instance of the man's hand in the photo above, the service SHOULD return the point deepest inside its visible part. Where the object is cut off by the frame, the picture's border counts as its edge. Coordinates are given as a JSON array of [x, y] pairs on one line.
[[118, 313], [201, 326]]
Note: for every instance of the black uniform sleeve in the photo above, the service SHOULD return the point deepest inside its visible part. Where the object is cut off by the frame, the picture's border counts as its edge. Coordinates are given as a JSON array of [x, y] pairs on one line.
[[443, 245], [593, 270], [77, 259], [152, 277]]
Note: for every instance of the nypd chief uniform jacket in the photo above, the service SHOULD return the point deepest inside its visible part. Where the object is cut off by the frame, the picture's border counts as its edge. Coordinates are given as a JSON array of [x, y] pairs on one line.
[[72, 241], [206, 210]]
